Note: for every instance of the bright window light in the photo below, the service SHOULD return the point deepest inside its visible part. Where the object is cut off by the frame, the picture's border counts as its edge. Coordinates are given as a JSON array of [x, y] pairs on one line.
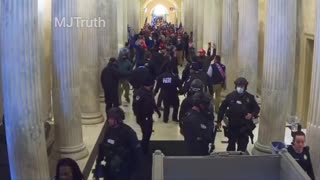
[[160, 10]]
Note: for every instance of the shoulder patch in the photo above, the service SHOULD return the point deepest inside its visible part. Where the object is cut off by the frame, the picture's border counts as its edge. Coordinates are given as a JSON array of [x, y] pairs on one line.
[[138, 98]]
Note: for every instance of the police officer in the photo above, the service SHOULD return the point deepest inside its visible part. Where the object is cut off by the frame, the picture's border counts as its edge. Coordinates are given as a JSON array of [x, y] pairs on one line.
[[198, 130], [186, 105], [241, 108], [187, 70], [197, 73], [138, 75], [170, 85], [301, 153], [120, 150], [110, 81], [144, 106]]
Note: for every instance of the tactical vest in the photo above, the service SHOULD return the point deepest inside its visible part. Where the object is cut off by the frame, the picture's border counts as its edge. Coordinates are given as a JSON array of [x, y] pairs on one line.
[[116, 153]]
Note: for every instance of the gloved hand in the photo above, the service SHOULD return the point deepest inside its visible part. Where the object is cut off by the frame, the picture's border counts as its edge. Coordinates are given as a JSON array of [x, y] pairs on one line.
[[159, 115]]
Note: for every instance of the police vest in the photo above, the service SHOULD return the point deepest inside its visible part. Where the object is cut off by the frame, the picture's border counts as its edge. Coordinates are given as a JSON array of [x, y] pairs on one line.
[[238, 109], [115, 152]]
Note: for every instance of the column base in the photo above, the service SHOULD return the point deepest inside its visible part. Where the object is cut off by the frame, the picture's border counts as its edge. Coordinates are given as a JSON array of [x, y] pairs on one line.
[[76, 153], [91, 118], [260, 149], [101, 97]]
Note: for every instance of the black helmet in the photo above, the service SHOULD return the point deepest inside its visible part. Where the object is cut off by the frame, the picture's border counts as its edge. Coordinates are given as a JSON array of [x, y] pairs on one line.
[[116, 113], [195, 66], [196, 86], [201, 98], [241, 82]]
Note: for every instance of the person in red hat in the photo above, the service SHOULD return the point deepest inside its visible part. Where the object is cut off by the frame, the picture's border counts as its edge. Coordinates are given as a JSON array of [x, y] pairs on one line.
[[203, 59]]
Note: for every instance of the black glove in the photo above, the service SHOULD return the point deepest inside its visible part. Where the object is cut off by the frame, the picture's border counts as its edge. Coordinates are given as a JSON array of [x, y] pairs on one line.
[[159, 114]]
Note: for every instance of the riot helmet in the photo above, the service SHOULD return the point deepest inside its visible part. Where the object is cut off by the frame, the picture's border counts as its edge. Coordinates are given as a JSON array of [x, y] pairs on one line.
[[116, 114], [196, 86], [241, 85], [201, 100]]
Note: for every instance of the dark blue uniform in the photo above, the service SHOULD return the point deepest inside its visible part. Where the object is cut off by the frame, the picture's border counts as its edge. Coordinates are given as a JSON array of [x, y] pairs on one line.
[[198, 133], [201, 75], [110, 81], [239, 128], [137, 77], [122, 152], [187, 70], [303, 159], [170, 85], [144, 106]]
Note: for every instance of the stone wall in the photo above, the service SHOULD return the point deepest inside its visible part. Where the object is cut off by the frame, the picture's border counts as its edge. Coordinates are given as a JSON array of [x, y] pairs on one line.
[[305, 30]]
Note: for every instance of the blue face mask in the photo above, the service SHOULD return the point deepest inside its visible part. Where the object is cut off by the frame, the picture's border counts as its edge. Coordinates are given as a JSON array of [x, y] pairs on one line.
[[240, 90]]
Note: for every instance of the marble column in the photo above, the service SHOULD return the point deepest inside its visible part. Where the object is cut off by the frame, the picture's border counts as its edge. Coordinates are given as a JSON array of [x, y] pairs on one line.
[[313, 131], [208, 27], [230, 40], [248, 42], [103, 9], [121, 24], [90, 79], [195, 23], [200, 24], [66, 81], [113, 31], [131, 8], [137, 15], [20, 66], [189, 16], [279, 55], [186, 12], [45, 39], [125, 22], [217, 23]]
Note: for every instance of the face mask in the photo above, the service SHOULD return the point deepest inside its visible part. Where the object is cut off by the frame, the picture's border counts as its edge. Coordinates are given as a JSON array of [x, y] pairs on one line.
[[240, 90]]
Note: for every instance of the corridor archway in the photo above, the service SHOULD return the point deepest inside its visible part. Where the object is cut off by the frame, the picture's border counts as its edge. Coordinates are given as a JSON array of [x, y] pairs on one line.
[[172, 7]]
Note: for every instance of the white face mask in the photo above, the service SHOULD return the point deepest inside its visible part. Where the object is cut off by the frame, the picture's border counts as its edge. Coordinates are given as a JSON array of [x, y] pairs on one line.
[[240, 90]]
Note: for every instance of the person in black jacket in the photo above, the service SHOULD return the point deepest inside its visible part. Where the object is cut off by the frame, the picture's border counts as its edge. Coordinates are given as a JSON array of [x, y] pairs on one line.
[[144, 107], [241, 108], [217, 77], [301, 153], [198, 129], [186, 105], [120, 149], [138, 75], [197, 73], [196, 61], [170, 85], [186, 45], [179, 52], [110, 82]]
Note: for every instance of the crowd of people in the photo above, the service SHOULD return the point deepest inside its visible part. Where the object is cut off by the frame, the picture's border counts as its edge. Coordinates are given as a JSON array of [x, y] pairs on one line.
[[149, 63]]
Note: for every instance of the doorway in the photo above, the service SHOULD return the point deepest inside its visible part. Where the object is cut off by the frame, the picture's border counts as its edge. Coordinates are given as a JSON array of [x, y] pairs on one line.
[[307, 80]]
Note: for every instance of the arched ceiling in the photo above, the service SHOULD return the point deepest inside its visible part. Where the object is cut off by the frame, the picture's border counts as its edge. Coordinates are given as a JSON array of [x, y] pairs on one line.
[[175, 3]]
